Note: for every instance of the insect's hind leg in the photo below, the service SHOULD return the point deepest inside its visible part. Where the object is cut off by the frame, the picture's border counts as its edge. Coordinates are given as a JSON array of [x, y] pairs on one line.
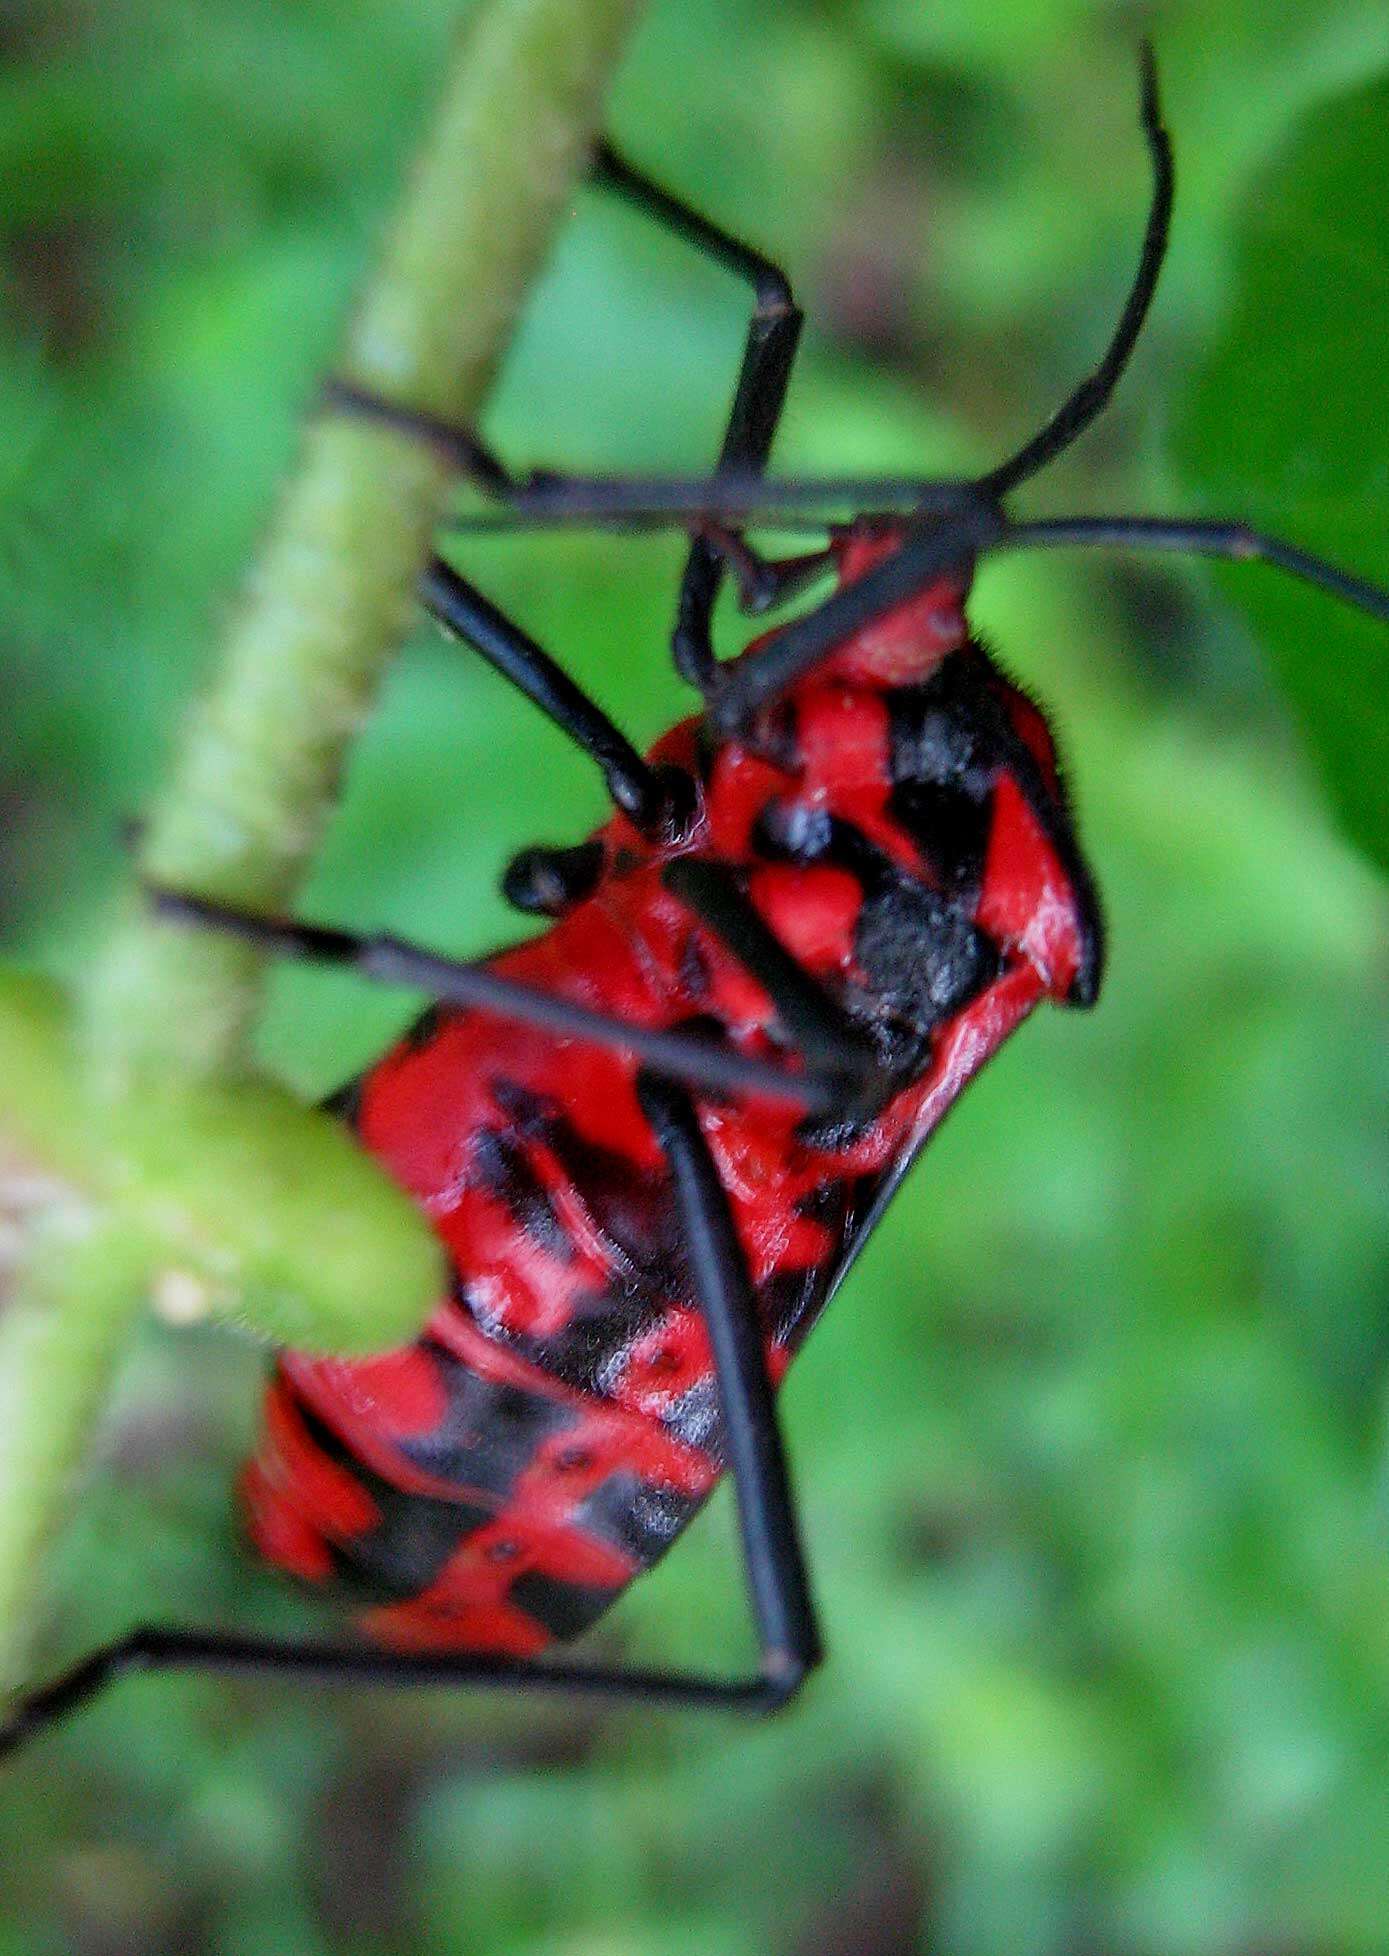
[[778, 1584]]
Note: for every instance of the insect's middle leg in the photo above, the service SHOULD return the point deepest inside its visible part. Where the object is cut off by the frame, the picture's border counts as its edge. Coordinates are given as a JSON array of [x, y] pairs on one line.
[[672, 1053]]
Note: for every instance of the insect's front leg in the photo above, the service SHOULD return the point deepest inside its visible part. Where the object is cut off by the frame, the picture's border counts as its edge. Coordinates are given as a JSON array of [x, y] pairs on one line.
[[769, 352], [764, 373], [833, 1046], [654, 801], [762, 582]]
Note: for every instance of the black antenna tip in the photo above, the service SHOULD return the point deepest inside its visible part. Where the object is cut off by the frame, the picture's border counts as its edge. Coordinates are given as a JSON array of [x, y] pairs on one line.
[[1150, 98]]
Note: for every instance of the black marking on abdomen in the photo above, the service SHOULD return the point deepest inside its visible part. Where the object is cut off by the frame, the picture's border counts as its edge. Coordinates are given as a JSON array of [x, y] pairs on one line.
[[502, 1168], [490, 1433], [790, 1301], [563, 1608], [603, 1325], [414, 1536], [922, 955], [696, 1419], [945, 757], [950, 830], [634, 1209], [531, 1113], [635, 1516]]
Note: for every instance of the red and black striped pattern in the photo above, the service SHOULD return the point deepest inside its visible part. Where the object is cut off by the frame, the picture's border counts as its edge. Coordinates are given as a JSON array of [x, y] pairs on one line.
[[898, 822]]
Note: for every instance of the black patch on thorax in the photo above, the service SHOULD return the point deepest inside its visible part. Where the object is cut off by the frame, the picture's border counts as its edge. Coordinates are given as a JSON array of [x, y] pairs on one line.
[[945, 759]]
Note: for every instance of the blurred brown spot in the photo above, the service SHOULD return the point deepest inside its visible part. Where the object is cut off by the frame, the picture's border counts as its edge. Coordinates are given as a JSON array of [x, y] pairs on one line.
[[870, 272], [55, 283], [30, 29], [361, 1871], [883, 1911]]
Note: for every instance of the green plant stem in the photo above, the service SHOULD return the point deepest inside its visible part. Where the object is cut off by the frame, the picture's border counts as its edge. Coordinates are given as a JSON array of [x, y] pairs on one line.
[[65, 1324], [184, 1156], [330, 598]]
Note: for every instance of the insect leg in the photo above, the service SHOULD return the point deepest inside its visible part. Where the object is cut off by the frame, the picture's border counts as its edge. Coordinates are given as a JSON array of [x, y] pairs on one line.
[[762, 380], [768, 353], [820, 1029], [714, 1069], [462, 448], [951, 541], [778, 1582], [762, 581], [465, 613], [778, 1585]]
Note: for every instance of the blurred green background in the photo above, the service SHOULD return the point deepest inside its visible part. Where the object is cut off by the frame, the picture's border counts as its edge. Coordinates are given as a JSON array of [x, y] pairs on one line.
[[1093, 1445]]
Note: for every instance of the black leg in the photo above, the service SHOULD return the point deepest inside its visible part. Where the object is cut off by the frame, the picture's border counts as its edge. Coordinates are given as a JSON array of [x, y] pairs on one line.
[[1234, 541], [1092, 396], [713, 1069], [766, 366], [778, 1586], [707, 504], [762, 380], [768, 353], [763, 377], [776, 1571], [961, 510], [463, 611], [819, 1028], [460, 447], [763, 582]]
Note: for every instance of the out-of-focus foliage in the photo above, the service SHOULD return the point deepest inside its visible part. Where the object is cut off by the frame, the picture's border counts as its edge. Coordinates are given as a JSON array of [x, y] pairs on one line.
[[1269, 437], [1092, 1446]]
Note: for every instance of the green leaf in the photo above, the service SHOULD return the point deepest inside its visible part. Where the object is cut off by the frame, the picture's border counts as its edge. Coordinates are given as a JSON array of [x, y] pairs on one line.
[[1287, 427]]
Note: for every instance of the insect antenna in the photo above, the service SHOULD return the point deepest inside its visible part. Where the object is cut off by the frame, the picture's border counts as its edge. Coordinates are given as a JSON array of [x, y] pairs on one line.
[[1092, 396], [967, 512], [544, 498], [810, 503], [1236, 542]]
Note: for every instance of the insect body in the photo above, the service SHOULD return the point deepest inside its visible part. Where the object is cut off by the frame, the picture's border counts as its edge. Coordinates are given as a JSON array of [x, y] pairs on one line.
[[896, 822], [653, 1139]]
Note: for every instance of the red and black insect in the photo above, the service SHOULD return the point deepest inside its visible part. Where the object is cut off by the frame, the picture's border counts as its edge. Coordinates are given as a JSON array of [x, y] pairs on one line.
[[654, 1139]]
